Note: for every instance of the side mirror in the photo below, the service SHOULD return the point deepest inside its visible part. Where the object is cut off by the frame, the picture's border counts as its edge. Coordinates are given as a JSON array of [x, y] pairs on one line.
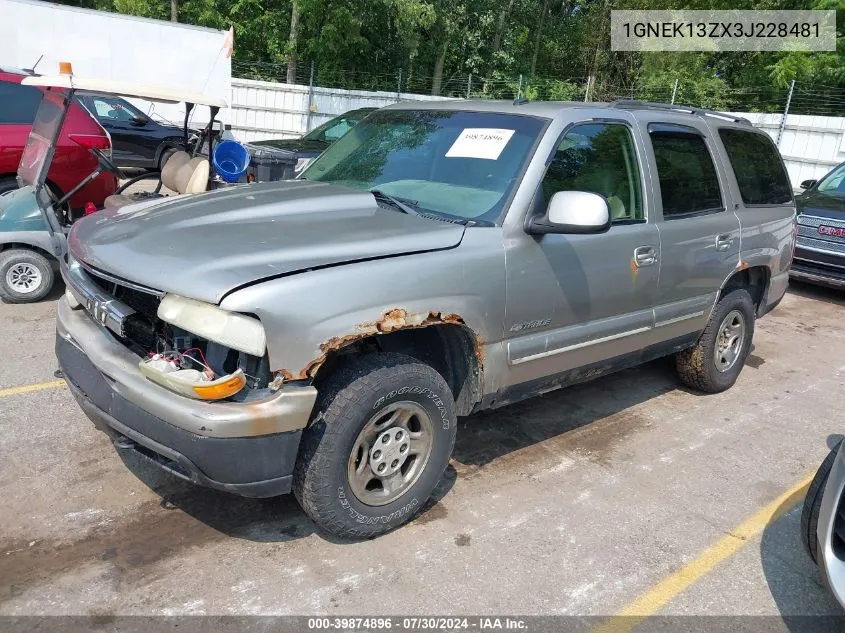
[[578, 212], [139, 120], [808, 183]]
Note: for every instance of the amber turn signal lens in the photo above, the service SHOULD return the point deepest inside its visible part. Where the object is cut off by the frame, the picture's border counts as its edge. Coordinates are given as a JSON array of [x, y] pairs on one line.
[[220, 390], [65, 68]]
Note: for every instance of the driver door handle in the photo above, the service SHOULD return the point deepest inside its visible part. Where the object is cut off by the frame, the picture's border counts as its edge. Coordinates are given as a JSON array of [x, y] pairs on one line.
[[645, 256]]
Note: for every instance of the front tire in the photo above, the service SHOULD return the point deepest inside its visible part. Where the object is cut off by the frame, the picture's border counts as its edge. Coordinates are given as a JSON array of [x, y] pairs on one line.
[[813, 504], [25, 276], [714, 363], [381, 438]]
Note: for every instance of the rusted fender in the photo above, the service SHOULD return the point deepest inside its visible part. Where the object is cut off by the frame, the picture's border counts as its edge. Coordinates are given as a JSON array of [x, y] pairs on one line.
[[391, 321]]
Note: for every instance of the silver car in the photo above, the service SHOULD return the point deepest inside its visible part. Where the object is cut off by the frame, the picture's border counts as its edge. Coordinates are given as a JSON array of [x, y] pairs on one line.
[[823, 521], [322, 335]]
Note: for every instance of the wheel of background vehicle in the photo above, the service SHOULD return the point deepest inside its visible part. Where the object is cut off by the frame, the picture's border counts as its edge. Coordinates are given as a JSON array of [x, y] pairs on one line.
[[166, 153], [713, 365], [813, 504], [7, 184], [378, 445], [25, 276]]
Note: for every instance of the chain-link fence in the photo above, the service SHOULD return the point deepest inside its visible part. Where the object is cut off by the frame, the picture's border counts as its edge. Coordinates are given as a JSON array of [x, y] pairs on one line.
[[812, 99]]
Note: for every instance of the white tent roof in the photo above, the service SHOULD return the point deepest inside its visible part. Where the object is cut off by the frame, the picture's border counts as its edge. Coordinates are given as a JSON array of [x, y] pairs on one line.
[[150, 92]]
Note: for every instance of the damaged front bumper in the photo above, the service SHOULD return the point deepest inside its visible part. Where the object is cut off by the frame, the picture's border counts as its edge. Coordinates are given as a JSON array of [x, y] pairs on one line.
[[246, 448]]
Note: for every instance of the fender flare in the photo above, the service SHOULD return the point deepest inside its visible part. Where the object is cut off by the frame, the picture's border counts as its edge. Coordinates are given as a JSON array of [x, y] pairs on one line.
[[37, 240]]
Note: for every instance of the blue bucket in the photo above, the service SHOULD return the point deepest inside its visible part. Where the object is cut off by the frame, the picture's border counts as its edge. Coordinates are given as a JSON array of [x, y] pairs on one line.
[[230, 160]]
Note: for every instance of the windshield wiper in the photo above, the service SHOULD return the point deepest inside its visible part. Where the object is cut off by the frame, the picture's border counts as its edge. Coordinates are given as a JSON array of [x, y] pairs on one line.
[[408, 206], [400, 205]]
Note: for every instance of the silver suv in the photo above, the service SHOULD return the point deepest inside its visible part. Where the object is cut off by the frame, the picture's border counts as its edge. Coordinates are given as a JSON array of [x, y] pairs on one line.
[[322, 335]]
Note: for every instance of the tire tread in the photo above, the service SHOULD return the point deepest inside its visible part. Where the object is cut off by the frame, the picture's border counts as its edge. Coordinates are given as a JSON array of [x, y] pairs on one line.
[[692, 364], [812, 506], [350, 386]]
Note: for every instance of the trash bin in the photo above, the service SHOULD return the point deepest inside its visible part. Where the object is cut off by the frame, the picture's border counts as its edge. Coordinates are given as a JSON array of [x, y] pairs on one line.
[[230, 160], [270, 164]]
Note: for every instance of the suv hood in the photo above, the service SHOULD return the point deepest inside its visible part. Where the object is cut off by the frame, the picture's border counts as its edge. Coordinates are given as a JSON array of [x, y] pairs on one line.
[[204, 246], [822, 205]]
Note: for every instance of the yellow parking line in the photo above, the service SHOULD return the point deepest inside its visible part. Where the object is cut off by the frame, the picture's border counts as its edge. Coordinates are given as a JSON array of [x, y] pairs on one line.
[[14, 391], [664, 591]]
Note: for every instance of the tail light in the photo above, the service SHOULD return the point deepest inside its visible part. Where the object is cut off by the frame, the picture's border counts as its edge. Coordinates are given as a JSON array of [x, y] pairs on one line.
[[794, 240], [92, 141]]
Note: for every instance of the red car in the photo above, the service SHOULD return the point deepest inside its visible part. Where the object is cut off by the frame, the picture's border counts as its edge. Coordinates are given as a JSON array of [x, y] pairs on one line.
[[72, 162]]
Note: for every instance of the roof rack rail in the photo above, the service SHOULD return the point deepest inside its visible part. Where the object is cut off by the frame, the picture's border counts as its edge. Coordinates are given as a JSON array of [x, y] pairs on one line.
[[633, 104]]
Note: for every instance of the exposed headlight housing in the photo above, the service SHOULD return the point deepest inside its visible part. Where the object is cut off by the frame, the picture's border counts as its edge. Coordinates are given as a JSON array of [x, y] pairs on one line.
[[240, 332]]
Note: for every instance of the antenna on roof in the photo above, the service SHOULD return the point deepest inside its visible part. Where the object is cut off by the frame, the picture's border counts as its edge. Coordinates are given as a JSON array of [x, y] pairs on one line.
[[38, 61], [520, 101]]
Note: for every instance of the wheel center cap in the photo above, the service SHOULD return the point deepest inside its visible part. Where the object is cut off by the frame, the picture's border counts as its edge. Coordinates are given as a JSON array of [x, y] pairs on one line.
[[389, 451]]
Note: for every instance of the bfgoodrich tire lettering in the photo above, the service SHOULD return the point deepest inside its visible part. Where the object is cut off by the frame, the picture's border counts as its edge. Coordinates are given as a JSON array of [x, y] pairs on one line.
[[698, 367], [348, 401]]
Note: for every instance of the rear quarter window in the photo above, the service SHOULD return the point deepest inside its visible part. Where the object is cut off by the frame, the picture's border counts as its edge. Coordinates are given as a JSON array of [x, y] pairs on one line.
[[18, 103], [758, 168]]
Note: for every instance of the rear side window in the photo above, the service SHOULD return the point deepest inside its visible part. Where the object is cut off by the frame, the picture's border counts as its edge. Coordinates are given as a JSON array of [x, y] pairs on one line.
[[18, 103], [758, 168], [688, 180]]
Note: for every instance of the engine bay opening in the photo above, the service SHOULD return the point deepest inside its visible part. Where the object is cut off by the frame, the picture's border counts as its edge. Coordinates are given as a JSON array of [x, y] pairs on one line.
[[182, 361]]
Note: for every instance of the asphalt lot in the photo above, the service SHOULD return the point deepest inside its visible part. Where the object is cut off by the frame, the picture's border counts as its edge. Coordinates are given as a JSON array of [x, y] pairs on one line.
[[579, 502]]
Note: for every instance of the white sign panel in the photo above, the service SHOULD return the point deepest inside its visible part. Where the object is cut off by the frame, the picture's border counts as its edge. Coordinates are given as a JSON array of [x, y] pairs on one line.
[[480, 142]]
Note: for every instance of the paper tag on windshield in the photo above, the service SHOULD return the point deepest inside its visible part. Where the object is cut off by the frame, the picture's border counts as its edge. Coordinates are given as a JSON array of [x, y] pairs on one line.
[[480, 142]]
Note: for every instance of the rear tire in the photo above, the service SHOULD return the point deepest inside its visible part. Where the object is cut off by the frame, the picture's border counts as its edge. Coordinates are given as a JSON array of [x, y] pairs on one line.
[[714, 363], [813, 504], [382, 413], [166, 153], [26, 276]]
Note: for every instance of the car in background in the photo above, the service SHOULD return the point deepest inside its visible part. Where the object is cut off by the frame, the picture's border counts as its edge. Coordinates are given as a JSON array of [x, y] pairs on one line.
[[823, 521], [820, 247], [311, 145], [72, 163], [139, 140]]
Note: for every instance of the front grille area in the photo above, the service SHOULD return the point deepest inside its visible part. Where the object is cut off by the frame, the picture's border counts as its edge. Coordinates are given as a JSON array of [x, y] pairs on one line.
[[816, 221], [809, 236], [815, 241], [145, 334], [143, 330]]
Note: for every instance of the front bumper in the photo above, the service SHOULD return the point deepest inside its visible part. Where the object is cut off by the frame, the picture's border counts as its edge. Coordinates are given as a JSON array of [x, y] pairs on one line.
[[245, 448], [817, 267], [831, 552]]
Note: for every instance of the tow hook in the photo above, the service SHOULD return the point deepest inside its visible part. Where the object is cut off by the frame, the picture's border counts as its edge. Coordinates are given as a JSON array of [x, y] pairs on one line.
[[121, 441]]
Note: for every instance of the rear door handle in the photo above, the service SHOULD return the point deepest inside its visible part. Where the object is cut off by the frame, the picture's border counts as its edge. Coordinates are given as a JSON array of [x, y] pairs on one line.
[[645, 256], [724, 242]]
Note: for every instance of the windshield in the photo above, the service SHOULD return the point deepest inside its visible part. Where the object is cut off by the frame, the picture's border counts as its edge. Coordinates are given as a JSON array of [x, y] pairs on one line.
[[834, 183], [334, 128], [463, 164], [116, 109], [37, 153]]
